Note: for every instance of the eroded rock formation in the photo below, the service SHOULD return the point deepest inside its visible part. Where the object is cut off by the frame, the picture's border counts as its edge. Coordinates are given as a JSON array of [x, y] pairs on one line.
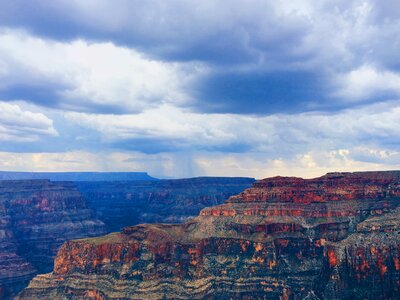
[[36, 218], [366, 265], [336, 236]]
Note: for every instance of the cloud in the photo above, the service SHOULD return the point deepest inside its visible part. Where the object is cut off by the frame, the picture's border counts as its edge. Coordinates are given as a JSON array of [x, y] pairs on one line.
[[265, 93], [47, 161], [247, 57], [170, 128], [307, 165], [236, 32], [161, 164], [164, 128], [82, 76], [17, 125], [178, 30], [203, 163], [376, 155], [366, 82], [259, 87]]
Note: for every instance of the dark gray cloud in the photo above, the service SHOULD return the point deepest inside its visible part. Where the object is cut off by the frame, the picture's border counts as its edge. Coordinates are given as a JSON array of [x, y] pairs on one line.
[[265, 93], [263, 56], [236, 32], [178, 30], [294, 82]]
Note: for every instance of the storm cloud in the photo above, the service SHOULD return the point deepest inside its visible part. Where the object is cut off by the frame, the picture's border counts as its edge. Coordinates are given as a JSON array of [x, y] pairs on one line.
[[290, 81]]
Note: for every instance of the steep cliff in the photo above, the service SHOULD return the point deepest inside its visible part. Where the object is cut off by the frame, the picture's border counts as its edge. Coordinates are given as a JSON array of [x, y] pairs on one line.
[[15, 271], [367, 263], [36, 218], [125, 203], [285, 238]]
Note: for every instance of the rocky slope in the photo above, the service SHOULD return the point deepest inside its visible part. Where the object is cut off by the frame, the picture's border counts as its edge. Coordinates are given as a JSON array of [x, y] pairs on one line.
[[126, 203], [333, 237], [36, 218]]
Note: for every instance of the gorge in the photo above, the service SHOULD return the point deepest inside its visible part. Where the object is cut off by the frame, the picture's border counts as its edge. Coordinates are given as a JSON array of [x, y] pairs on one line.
[[332, 237], [37, 215]]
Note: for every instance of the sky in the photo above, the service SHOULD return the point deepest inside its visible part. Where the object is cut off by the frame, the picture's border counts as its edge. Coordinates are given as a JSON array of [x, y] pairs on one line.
[[200, 88]]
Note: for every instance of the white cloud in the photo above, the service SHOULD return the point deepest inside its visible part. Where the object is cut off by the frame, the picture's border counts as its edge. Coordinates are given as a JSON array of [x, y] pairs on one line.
[[166, 122], [366, 81], [91, 76], [17, 125], [271, 134], [64, 161], [307, 165], [376, 155]]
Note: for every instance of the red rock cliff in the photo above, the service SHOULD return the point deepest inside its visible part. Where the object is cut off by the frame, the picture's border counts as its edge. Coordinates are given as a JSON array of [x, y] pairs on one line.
[[285, 238]]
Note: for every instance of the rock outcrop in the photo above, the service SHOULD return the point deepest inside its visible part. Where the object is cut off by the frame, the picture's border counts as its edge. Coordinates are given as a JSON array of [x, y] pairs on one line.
[[333, 237], [126, 203], [366, 265], [36, 218]]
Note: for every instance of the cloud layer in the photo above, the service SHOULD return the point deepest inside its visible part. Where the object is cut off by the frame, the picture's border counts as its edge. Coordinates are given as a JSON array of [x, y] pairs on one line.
[[289, 84], [23, 126], [374, 124], [82, 76]]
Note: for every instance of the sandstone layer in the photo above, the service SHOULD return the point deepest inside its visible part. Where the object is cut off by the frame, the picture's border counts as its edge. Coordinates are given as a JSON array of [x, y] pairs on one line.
[[333, 237], [36, 218]]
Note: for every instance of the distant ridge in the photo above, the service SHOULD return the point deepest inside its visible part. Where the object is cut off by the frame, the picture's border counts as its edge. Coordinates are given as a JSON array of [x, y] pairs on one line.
[[77, 176]]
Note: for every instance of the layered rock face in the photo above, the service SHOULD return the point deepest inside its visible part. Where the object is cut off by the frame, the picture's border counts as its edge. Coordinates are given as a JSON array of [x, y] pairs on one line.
[[333, 237], [366, 265], [126, 203], [36, 218], [15, 271]]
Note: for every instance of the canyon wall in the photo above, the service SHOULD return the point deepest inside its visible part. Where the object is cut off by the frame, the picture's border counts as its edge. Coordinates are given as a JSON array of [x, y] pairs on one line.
[[126, 203], [36, 218], [332, 237]]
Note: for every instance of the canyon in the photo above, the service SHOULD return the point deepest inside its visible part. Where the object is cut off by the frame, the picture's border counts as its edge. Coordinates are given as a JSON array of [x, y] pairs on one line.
[[332, 237], [36, 218], [38, 215], [124, 203]]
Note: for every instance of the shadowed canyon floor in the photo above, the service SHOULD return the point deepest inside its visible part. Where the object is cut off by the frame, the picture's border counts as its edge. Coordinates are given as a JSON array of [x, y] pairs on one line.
[[332, 237], [126, 203]]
